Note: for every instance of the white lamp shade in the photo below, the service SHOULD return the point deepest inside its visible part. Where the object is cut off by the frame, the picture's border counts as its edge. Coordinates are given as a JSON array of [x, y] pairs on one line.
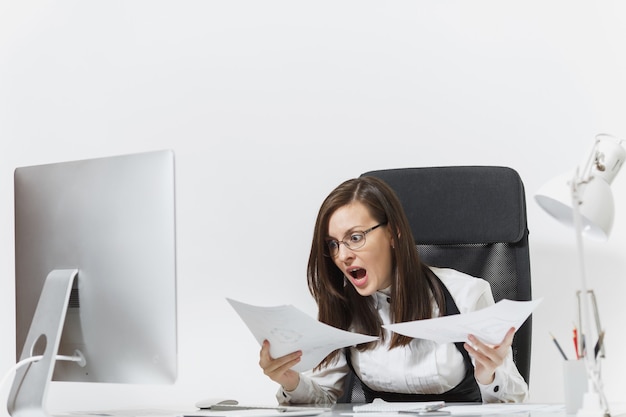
[[596, 207]]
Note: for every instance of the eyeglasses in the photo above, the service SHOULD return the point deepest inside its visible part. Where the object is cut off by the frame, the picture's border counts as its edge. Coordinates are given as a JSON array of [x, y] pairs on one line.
[[355, 241]]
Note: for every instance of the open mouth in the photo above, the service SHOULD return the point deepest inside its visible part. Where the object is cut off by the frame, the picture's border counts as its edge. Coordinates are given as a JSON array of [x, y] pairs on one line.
[[358, 273]]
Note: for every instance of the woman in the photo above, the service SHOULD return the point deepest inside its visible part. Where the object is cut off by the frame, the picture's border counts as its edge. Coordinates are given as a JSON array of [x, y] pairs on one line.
[[364, 271]]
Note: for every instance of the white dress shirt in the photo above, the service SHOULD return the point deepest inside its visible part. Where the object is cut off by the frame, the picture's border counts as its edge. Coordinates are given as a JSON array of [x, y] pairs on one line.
[[422, 366]]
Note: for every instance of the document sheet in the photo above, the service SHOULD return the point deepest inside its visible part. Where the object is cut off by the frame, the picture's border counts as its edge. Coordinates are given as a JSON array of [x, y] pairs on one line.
[[289, 329], [489, 324]]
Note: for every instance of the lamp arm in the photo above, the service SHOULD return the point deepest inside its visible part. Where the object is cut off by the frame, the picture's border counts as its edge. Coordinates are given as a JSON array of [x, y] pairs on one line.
[[576, 201], [592, 364]]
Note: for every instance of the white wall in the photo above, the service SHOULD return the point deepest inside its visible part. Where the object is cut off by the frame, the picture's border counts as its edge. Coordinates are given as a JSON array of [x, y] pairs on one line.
[[270, 104]]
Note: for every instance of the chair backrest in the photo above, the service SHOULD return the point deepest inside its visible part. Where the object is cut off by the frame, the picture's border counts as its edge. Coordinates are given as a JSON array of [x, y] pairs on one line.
[[473, 219]]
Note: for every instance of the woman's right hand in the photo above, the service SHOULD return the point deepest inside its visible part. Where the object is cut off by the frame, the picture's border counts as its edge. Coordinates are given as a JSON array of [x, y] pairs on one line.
[[279, 369]]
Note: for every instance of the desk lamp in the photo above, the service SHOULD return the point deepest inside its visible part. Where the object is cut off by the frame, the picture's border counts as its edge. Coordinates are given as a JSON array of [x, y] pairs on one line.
[[583, 200]]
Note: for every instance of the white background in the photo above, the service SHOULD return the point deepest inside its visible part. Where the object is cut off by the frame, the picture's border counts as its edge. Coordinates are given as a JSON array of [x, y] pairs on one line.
[[269, 105]]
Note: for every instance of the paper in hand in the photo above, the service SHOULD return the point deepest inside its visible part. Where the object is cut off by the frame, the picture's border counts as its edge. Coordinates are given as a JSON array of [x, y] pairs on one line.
[[289, 329], [489, 324]]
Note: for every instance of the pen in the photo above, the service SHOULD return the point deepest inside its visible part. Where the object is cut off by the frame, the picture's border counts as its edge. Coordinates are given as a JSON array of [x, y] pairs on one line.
[[558, 346], [596, 349], [576, 342], [583, 342]]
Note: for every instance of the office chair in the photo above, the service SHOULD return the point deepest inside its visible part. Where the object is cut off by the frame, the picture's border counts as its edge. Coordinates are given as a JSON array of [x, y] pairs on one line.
[[472, 219]]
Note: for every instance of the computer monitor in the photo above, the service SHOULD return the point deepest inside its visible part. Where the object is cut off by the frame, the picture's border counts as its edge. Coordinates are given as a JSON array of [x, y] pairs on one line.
[[95, 274]]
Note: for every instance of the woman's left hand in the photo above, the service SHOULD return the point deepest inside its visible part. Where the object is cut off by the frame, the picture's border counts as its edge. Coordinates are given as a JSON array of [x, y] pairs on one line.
[[487, 358]]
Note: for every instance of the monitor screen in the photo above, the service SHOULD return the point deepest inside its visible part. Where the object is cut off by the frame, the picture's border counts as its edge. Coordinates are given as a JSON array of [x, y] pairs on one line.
[[112, 221]]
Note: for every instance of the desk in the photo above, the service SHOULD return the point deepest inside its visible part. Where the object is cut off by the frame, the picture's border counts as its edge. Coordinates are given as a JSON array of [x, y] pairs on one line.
[[345, 410], [339, 410]]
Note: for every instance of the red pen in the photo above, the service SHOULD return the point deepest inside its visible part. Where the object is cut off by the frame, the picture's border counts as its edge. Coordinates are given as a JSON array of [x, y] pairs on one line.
[[576, 343]]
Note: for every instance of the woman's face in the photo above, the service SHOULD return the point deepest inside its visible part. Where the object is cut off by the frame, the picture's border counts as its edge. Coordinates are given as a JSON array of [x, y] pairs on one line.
[[368, 268]]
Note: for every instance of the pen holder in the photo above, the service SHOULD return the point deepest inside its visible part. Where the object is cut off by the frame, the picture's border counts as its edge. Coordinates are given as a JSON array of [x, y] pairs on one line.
[[574, 384]]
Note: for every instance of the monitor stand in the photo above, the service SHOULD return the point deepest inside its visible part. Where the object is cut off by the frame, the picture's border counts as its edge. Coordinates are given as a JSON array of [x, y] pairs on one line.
[[30, 386]]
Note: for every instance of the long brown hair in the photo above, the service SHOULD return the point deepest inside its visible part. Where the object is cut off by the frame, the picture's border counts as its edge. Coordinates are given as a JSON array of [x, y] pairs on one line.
[[412, 282]]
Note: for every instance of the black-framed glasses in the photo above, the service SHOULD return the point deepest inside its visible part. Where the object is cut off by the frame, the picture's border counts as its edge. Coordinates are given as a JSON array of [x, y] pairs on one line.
[[356, 240]]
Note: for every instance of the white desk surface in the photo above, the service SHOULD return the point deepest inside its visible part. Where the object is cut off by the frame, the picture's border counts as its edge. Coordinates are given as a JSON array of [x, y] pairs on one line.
[[340, 410]]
